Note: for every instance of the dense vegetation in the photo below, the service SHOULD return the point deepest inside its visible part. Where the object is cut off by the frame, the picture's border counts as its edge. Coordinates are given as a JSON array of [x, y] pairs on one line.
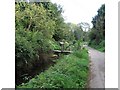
[[39, 29], [70, 71], [97, 33]]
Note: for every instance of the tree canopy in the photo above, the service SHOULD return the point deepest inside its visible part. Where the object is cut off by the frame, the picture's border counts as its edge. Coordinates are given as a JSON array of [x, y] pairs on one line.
[[97, 33]]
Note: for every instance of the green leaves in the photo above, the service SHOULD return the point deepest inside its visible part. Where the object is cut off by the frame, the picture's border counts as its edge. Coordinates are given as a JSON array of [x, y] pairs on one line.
[[71, 71], [97, 33], [35, 26], [39, 28]]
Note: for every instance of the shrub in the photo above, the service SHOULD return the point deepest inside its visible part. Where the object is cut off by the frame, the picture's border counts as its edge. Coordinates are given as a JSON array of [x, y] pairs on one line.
[[71, 71], [100, 46], [28, 46]]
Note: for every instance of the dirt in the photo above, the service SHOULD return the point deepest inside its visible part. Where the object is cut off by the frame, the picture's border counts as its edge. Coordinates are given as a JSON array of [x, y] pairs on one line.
[[97, 68]]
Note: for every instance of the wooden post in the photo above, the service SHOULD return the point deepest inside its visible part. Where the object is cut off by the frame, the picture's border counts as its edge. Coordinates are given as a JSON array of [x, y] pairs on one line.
[[62, 46]]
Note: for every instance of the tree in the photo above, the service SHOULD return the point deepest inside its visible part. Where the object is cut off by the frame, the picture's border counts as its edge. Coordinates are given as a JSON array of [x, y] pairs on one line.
[[97, 33]]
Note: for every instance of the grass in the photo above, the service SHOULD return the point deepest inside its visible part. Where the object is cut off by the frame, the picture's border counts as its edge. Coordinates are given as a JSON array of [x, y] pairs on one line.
[[102, 49], [99, 47], [71, 71]]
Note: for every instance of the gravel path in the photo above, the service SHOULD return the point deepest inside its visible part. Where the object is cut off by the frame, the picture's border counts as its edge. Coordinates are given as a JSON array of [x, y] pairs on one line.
[[97, 69]]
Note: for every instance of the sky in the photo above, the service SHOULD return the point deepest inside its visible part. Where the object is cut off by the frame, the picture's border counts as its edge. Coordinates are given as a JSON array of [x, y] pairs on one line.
[[76, 11]]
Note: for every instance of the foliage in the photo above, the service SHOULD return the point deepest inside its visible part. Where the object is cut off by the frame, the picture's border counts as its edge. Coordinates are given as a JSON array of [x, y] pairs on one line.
[[97, 33], [39, 27], [76, 31], [71, 71], [34, 18], [100, 47]]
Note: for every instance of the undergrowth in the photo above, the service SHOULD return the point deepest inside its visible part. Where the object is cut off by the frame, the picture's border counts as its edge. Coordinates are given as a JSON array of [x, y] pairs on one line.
[[71, 71]]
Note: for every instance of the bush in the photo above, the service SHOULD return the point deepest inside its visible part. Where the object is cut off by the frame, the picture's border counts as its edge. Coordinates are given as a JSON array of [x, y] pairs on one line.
[[54, 45], [28, 46], [71, 71], [81, 54], [24, 51], [100, 46]]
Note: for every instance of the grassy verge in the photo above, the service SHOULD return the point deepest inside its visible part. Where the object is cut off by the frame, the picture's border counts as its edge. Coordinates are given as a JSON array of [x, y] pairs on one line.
[[102, 49], [71, 71], [100, 46]]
